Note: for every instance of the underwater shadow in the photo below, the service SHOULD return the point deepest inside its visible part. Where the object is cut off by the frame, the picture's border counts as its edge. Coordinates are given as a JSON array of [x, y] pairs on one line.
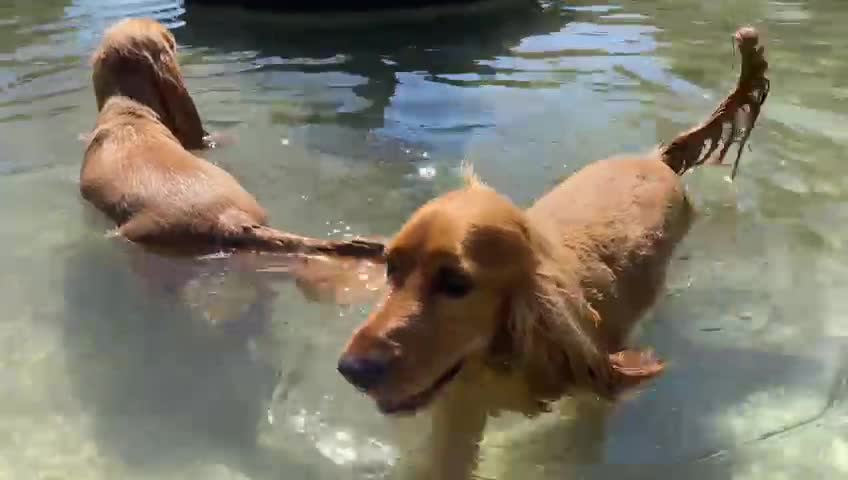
[[692, 421], [170, 385]]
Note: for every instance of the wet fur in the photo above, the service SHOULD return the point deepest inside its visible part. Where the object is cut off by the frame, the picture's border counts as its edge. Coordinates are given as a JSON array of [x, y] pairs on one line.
[[138, 169], [557, 288], [137, 59]]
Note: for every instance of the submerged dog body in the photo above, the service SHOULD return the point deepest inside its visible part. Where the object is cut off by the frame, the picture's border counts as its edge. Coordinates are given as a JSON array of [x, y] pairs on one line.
[[138, 169], [155, 190], [493, 308]]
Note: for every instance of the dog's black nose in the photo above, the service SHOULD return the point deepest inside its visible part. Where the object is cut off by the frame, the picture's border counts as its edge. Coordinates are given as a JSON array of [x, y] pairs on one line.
[[363, 372]]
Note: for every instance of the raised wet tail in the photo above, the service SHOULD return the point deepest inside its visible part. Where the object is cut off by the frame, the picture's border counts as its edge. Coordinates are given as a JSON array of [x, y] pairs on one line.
[[733, 120]]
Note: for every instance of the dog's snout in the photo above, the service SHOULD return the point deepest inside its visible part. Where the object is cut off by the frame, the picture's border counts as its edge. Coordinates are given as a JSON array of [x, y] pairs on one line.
[[363, 372]]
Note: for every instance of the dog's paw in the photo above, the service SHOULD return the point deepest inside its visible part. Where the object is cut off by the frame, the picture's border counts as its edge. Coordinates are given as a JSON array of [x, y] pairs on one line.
[[634, 367], [337, 280]]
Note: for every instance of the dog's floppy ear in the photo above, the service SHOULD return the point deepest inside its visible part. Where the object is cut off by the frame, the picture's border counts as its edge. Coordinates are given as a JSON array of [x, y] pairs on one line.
[[552, 339], [550, 334], [548, 330], [105, 85], [181, 116], [634, 367]]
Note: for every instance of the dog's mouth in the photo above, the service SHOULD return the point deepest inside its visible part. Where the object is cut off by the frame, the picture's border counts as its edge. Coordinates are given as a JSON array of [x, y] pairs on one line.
[[412, 404]]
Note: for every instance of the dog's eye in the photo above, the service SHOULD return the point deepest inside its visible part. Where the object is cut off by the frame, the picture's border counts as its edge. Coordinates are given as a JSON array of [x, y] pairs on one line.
[[452, 282]]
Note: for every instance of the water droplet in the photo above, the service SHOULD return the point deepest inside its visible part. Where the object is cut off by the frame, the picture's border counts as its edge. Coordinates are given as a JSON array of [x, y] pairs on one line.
[[427, 172]]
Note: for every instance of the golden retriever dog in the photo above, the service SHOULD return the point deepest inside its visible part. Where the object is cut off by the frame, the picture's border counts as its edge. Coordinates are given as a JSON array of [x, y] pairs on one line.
[[492, 308], [139, 172]]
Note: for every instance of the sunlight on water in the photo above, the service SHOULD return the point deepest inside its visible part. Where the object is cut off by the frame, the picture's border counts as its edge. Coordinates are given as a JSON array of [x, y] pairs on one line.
[[344, 128]]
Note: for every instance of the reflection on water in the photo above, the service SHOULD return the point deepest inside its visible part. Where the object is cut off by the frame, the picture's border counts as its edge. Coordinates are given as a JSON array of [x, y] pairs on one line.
[[345, 127]]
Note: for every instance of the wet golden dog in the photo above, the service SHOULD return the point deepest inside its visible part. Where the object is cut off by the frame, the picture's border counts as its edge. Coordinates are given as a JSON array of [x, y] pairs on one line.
[[138, 171], [493, 308]]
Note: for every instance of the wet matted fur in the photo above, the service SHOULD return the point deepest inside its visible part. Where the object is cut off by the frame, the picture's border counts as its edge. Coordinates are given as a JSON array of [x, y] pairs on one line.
[[138, 169], [493, 308]]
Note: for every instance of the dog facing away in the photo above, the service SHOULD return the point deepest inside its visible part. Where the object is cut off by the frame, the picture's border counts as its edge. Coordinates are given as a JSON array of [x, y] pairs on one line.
[[491, 308], [138, 169], [137, 59]]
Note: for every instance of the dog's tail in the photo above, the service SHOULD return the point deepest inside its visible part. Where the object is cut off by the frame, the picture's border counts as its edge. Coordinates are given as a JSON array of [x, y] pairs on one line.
[[266, 239], [732, 121]]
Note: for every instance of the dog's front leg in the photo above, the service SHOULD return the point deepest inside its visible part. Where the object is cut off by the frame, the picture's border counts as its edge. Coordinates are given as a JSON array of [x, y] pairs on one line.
[[458, 423]]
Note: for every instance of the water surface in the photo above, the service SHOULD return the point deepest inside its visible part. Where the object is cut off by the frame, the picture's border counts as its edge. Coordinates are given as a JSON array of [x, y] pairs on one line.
[[346, 127]]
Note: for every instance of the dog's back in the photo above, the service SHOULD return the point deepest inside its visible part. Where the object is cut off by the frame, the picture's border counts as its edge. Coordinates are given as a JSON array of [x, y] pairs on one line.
[[137, 173], [624, 218], [136, 168], [625, 215]]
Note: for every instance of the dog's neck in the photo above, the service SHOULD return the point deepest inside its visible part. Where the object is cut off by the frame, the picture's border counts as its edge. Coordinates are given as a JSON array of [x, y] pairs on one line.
[[123, 111], [120, 106]]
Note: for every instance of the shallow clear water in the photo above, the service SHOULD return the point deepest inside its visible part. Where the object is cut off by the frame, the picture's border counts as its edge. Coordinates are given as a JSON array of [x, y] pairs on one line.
[[347, 128]]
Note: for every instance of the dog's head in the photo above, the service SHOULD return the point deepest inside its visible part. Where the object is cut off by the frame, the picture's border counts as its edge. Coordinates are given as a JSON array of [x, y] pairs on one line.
[[459, 272], [137, 59], [450, 270]]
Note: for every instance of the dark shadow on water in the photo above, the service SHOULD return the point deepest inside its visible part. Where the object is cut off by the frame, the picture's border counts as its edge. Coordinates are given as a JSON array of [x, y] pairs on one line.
[[679, 425], [369, 99], [330, 6], [375, 50], [166, 389]]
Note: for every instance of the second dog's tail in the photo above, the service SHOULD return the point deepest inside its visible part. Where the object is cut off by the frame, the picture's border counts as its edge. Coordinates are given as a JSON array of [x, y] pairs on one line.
[[732, 121], [266, 239]]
